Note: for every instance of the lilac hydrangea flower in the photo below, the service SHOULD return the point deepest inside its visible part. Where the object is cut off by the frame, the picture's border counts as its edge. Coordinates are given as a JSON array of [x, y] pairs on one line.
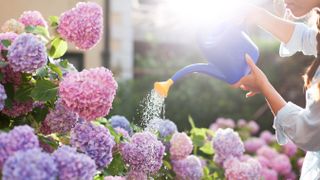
[[27, 53], [189, 168], [32, 18], [143, 153], [13, 25], [29, 165], [82, 25], [60, 120], [121, 122], [7, 36], [227, 143], [242, 170], [253, 144], [73, 165], [281, 164], [167, 128], [3, 97], [253, 127], [180, 146], [89, 93], [123, 132], [95, 141], [136, 175], [21, 138], [222, 123], [269, 174], [18, 109]]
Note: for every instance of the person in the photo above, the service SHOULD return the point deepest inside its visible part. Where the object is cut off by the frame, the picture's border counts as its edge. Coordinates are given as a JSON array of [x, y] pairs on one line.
[[291, 122]]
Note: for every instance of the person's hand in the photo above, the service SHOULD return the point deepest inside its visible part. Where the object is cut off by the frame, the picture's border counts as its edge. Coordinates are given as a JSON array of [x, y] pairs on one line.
[[255, 81]]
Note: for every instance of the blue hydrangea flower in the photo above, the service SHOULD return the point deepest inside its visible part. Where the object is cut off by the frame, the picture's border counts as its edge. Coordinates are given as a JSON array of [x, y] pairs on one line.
[[122, 122], [27, 53], [73, 165], [95, 141], [21, 138], [29, 165], [167, 128]]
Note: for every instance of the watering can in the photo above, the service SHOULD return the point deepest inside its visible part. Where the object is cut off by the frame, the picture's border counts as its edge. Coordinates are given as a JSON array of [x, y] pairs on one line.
[[224, 46]]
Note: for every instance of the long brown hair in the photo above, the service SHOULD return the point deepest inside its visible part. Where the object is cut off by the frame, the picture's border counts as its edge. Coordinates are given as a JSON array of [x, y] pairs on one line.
[[311, 70]]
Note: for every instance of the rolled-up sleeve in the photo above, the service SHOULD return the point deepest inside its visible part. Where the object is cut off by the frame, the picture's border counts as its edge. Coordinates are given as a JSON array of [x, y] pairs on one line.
[[302, 126], [303, 39]]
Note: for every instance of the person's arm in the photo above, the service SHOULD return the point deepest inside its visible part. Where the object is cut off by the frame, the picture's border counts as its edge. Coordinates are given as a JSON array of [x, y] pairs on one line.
[[280, 28]]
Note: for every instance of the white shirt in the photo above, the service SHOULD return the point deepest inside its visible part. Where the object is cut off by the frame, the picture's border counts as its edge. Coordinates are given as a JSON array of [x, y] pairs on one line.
[[302, 126]]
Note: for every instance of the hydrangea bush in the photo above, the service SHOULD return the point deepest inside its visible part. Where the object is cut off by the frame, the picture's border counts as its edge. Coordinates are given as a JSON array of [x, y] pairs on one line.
[[55, 123]]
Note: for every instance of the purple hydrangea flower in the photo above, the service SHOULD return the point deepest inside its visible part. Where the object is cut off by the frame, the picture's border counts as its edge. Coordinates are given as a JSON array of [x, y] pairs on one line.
[[95, 141], [27, 53], [89, 93], [267, 137], [82, 25], [12, 25], [253, 144], [167, 128], [73, 165], [123, 132], [60, 120], [121, 122], [290, 149], [21, 138], [281, 164], [137, 175], [222, 123], [143, 153], [180, 146], [18, 109], [3, 97], [29, 165], [242, 170], [269, 174], [189, 168], [32, 18], [227, 143]]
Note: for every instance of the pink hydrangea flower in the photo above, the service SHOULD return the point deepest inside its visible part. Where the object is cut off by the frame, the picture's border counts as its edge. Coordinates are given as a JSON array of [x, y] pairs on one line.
[[267, 137], [82, 25], [7, 36], [253, 144], [9, 76], [180, 146], [32, 18], [136, 175], [300, 162], [241, 123], [265, 163], [18, 109], [267, 152], [269, 174], [290, 149], [222, 123], [242, 170], [89, 93], [253, 126], [114, 178], [281, 164]]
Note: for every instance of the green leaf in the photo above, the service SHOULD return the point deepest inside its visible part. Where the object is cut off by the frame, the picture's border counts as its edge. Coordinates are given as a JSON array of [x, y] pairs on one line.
[[44, 90], [1, 76], [191, 122], [64, 63], [58, 48], [198, 136], [56, 69], [23, 93], [6, 43], [167, 164], [117, 137], [40, 30], [117, 165], [207, 148], [53, 21], [39, 113], [42, 72]]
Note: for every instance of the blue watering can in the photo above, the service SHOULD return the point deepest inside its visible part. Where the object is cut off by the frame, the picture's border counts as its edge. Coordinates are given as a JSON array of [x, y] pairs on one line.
[[224, 46]]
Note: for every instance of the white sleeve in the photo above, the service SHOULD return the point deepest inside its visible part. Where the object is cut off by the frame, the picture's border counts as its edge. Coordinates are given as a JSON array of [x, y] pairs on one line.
[[303, 39], [302, 126]]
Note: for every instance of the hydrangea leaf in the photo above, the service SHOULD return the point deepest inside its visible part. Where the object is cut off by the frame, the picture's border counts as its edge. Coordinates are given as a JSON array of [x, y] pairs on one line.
[[53, 21], [6, 43], [44, 90], [58, 48], [23, 93], [117, 165], [207, 148]]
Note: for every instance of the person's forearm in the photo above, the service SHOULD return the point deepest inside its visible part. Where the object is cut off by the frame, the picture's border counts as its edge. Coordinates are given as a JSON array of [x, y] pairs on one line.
[[273, 98], [278, 27]]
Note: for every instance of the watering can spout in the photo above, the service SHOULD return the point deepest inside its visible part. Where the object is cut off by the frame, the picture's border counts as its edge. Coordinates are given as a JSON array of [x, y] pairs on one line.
[[163, 87]]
